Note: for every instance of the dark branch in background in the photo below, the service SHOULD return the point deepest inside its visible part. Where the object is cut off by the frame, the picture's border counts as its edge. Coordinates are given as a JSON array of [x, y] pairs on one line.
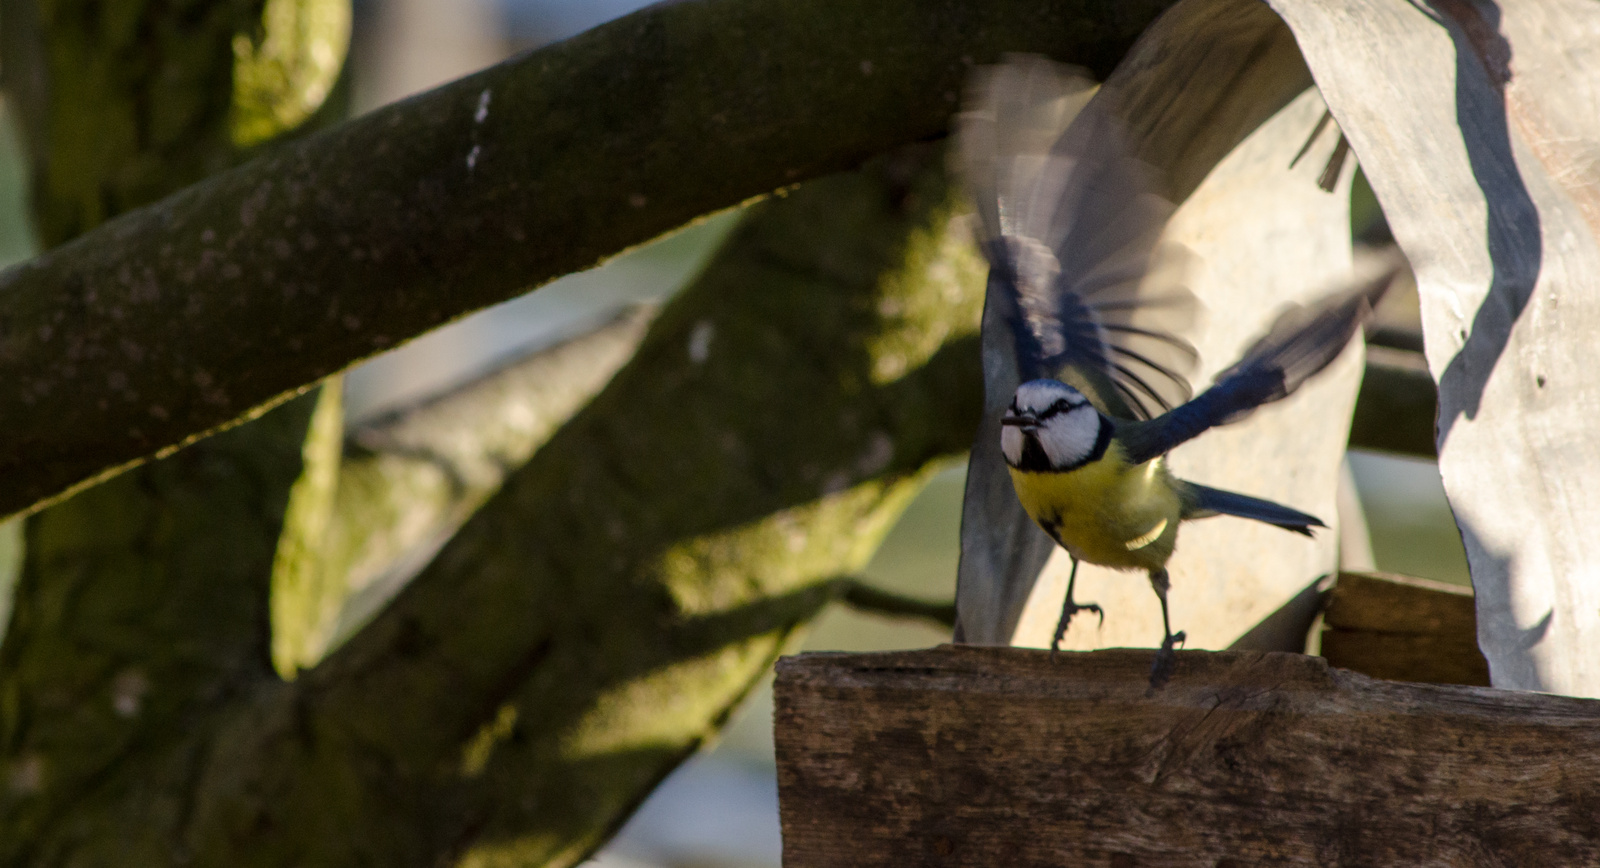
[[858, 593], [1397, 405], [183, 316], [142, 605]]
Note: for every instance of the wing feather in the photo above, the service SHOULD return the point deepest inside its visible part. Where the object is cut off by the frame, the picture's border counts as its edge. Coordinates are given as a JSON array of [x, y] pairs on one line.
[[1299, 344], [1070, 224]]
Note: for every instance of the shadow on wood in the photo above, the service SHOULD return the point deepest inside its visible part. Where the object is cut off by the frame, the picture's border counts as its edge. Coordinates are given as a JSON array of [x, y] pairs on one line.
[[1380, 624], [1403, 628], [1001, 757]]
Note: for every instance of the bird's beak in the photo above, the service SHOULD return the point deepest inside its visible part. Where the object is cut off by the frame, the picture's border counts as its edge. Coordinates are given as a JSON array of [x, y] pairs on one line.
[[1025, 421]]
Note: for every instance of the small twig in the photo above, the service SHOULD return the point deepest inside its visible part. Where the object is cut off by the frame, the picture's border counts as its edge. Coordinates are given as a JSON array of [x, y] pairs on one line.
[[1322, 124], [858, 594], [1330, 173]]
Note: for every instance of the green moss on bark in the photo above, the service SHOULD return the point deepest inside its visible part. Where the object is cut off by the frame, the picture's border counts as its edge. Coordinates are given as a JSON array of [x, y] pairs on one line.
[[185, 315], [410, 478], [286, 70], [305, 595], [603, 613], [142, 606], [141, 611]]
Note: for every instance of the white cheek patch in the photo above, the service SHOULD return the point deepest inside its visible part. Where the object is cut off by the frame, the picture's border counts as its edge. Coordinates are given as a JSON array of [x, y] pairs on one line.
[[1011, 444], [1069, 437]]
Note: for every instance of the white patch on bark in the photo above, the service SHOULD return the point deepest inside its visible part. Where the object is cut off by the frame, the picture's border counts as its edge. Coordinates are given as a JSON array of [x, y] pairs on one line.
[[700, 341]]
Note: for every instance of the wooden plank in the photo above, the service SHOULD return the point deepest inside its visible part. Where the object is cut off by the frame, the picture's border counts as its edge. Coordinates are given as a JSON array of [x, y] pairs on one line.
[[1403, 629], [1001, 757]]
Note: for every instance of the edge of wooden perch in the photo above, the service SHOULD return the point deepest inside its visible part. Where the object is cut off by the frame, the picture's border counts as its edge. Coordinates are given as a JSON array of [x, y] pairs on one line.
[[964, 755]]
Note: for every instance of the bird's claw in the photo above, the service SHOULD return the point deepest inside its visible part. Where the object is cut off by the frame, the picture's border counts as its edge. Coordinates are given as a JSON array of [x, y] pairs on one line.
[[1067, 611], [1166, 661]]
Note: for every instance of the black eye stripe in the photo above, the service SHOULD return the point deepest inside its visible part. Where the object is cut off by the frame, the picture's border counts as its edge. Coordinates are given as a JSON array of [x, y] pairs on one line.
[[1061, 405]]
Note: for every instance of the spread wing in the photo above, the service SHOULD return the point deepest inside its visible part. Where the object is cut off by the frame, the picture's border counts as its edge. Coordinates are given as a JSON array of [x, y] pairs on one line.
[[1300, 343], [1069, 224]]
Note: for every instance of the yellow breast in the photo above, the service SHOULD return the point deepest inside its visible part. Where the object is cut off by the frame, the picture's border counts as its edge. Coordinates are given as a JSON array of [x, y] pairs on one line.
[[1106, 512]]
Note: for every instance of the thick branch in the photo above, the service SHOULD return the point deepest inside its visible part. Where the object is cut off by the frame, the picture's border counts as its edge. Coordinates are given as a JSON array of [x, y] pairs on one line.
[[180, 317], [142, 606], [141, 611], [608, 607], [411, 477]]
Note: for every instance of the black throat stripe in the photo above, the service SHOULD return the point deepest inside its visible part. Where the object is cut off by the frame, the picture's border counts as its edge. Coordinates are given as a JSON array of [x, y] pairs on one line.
[[1034, 459]]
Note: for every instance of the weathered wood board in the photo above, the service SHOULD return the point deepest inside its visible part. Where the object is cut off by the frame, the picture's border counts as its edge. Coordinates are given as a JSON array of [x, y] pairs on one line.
[[1404, 629], [1478, 124], [976, 756]]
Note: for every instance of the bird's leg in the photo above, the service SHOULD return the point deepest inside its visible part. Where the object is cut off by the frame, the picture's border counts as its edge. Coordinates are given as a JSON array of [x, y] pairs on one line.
[[1166, 660], [1070, 608]]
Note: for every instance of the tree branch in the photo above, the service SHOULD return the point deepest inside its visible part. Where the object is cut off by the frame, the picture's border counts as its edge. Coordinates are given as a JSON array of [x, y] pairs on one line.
[[186, 315], [862, 595], [603, 613], [141, 612], [142, 606], [411, 477]]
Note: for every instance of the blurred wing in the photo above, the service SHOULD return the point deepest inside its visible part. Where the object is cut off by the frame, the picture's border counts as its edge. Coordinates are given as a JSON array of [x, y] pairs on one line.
[[1013, 114], [1300, 343], [1070, 226]]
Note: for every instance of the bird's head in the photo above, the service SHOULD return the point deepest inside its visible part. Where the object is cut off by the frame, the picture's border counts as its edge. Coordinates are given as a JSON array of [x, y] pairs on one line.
[[1051, 426]]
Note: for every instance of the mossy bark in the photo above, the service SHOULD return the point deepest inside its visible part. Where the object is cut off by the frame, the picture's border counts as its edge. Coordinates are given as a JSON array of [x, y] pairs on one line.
[[409, 478], [601, 615], [143, 603], [185, 315], [124, 102], [140, 614], [604, 612]]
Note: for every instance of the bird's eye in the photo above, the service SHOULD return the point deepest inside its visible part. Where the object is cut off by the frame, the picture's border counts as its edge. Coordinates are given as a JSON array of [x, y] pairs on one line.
[[1060, 406]]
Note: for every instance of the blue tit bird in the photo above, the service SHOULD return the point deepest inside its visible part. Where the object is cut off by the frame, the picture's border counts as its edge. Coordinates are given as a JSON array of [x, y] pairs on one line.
[[1070, 232]]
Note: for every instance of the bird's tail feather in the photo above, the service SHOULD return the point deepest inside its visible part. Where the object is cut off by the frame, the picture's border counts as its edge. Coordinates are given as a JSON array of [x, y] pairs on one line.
[[1204, 501]]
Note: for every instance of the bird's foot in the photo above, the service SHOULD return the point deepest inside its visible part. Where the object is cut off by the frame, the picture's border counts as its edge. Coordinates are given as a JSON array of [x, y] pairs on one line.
[[1069, 609], [1166, 661]]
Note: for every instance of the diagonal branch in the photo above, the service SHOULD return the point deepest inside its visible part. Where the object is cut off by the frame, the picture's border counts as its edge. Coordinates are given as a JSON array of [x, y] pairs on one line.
[[607, 608], [411, 477], [185, 315]]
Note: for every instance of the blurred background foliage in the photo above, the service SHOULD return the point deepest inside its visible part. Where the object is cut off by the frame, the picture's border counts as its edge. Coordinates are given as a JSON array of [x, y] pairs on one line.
[[720, 809]]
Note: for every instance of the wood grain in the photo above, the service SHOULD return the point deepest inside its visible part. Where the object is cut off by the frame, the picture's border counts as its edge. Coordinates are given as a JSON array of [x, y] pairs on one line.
[[1001, 757], [1403, 629], [1475, 123]]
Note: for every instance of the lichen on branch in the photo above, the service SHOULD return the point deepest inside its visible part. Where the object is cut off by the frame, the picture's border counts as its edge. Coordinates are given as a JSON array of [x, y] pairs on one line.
[[202, 308], [604, 612]]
